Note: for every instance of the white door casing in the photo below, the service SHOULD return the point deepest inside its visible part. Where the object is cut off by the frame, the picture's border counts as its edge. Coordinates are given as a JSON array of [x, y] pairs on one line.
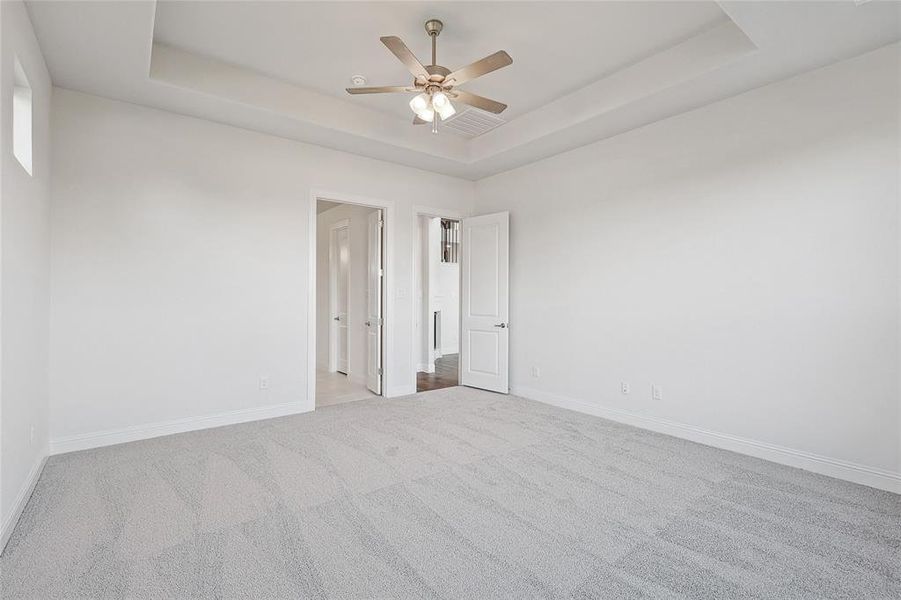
[[339, 295], [374, 304], [485, 303]]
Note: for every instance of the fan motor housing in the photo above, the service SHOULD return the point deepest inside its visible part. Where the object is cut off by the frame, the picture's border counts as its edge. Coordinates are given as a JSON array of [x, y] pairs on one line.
[[437, 71]]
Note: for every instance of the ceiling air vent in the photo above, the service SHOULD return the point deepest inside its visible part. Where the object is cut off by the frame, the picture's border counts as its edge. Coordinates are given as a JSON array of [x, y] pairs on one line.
[[473, 122]]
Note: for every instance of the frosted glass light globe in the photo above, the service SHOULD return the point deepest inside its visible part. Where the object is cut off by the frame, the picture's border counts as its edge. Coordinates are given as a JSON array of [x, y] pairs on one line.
[[419, 103], [439, 101]]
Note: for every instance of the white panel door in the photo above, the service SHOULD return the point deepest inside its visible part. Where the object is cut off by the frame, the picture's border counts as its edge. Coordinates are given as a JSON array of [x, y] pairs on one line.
[[484, 346], [339, 273], [374, 305]]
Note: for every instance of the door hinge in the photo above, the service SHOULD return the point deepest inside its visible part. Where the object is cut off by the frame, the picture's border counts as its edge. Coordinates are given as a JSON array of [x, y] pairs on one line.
[[381, 322], [380, 371], [381, 224]]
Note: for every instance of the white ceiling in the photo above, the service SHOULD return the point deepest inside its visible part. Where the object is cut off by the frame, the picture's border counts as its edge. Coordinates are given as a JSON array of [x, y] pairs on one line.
[[582, 71], [557, 47]]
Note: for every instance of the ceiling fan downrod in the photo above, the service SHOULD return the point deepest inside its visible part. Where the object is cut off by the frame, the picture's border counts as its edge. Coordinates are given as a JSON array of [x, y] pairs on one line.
[[433, 27]]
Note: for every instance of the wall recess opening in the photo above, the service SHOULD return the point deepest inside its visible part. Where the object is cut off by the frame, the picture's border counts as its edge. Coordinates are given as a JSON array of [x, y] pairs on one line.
[[22, 122]]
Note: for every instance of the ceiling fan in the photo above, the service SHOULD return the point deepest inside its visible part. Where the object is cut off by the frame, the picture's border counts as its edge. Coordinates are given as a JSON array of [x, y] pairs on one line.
[[436, 85]]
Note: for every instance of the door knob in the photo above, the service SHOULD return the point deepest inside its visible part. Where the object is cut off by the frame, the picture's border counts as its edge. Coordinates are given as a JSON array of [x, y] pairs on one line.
[[501, 325], [337, 318], [367, 324]]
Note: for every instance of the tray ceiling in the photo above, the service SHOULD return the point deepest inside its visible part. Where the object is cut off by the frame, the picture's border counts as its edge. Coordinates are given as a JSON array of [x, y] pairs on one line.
[[582, 71]]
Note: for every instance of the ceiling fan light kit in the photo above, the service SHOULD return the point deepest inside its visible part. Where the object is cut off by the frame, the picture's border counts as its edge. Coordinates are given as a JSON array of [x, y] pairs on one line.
[[435, 85]]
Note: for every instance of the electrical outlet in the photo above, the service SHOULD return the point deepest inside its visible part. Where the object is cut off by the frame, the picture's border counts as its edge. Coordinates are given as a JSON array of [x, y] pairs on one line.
[[536, 372], [656, 392], [264, 382], [625, 388]]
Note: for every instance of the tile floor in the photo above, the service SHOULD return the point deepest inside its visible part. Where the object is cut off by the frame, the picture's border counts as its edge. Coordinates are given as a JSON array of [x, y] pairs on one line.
[[336, 388]]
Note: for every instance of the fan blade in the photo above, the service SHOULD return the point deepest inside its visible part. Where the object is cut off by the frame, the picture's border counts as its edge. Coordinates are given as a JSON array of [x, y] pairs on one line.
[[496, 61], [418, 121], [403, 54], [478, 101], [385, 89]]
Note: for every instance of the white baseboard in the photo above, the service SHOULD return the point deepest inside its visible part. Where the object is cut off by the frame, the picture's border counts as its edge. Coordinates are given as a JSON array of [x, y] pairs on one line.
[[21, 501], [870, 476], [134, 433]]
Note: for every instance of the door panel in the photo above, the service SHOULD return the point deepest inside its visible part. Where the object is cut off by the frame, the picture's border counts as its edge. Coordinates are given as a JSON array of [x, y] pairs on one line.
[[484, 244], [343, 241], [485, 305], [339, 291], [374, 304], [484, 347]]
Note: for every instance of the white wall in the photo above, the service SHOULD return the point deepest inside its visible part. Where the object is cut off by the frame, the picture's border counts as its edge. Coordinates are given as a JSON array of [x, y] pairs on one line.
[[743, 256], [358, 234], [448, 303], [24, 271], [180, 262]]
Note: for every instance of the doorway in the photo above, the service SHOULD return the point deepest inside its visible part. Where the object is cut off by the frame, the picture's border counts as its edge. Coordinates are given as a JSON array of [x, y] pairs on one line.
[[349, 302], [437, 301]]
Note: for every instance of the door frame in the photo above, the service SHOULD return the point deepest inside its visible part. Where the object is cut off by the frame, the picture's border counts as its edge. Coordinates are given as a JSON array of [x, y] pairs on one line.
[[441, 213], [333, 288], [390, 380]]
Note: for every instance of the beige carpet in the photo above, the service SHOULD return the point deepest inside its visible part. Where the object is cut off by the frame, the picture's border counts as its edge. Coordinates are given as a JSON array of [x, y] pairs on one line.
[[455, 493]]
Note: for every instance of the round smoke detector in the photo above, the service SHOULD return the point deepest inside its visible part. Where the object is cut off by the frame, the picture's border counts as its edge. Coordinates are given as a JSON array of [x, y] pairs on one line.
[[358, 80]]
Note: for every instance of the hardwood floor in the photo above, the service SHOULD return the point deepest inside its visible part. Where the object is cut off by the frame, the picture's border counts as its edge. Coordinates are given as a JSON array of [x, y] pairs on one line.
[[445, 375]]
